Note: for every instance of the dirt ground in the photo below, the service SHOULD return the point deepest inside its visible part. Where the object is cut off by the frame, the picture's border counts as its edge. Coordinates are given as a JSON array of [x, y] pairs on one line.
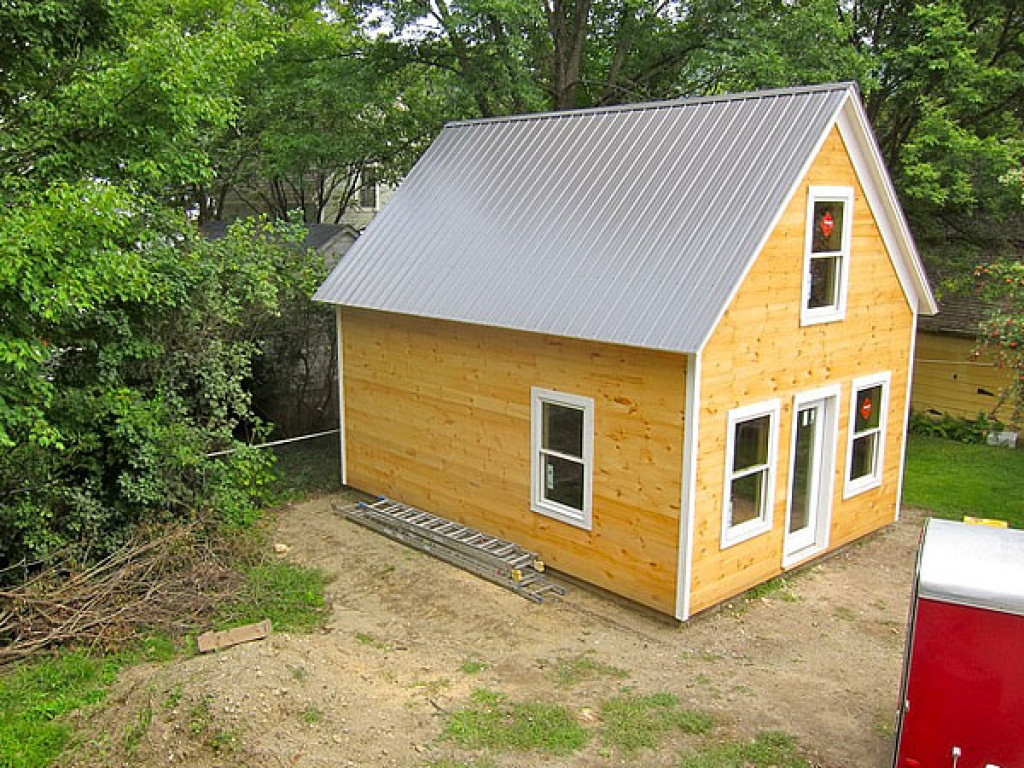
[[819, 659]]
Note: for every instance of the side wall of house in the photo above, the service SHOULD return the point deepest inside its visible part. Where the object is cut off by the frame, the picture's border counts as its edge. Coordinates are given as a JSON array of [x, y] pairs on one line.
[[950, 378], [760, 352], [437, 414]]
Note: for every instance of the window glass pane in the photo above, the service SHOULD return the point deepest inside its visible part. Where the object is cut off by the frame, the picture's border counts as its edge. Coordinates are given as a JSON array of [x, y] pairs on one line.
[[828, 226], [747, 493], [824, 282], [863, 460], [563, 481], [869, 408], [563, 429], [751, 444]]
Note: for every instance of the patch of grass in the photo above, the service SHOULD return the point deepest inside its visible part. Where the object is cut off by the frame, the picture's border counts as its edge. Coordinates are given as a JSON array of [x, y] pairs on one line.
[[308, 467], [291, 596], [632, 723], [173, 697], [199, 717], [845, 613], [573, 670], [769, 750], [493, 722], [224, 741], [473, 666], [34, 695], [778, 587], [372, 641], [311, 715], [134, 732], [953, 479]]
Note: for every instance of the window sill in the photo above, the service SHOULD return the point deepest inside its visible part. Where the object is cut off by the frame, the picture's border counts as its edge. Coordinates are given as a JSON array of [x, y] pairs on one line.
[[744, 532], [859, 486], [563, 514], [817, 317]]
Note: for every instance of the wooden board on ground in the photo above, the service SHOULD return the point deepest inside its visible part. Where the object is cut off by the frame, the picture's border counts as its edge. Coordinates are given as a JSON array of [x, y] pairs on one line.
[[215, 641]]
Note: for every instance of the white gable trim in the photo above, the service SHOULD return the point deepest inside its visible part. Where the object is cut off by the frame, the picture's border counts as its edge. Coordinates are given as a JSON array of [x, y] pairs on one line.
[[884, 204]]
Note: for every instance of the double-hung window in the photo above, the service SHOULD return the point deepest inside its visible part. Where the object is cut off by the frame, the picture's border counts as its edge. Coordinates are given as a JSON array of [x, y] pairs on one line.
[[827, 254], [563, 456], [750, 456], [866, 452]]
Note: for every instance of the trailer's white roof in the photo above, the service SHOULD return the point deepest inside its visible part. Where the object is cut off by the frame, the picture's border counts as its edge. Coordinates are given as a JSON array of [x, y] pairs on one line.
[[973, 565], [631, 225]]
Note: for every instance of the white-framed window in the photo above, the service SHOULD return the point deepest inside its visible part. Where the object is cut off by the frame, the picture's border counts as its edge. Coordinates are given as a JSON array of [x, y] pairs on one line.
[[751, 451], [368, 191], [827, 254], [562, 471], [865, 455]]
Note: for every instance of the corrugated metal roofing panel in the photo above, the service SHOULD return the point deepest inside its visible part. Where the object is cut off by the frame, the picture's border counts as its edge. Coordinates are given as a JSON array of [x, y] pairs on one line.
[[630, 225], [973, 565]]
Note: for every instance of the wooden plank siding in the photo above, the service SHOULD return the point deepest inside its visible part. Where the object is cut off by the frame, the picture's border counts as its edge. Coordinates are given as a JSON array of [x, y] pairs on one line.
[[949, 378], [438, 416], [760, 351]]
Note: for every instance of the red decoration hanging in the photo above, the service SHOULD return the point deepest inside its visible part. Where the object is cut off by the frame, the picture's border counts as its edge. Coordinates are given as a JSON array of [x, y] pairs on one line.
[[827, 224], [865, 408]]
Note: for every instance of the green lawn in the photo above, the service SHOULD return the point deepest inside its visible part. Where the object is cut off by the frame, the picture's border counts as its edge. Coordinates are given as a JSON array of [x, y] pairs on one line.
[[952, 479]]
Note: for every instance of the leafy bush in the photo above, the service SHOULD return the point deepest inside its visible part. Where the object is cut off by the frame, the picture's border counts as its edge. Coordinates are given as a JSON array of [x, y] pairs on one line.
[[953, 427]]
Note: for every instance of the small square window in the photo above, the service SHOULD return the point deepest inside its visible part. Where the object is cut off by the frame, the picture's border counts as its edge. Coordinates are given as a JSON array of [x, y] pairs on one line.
[[751, 448], [866, 453], [563, 438], [827, 254]]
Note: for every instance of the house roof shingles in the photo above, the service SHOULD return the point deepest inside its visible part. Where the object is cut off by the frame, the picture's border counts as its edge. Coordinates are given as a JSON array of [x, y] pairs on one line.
[[630, 225]]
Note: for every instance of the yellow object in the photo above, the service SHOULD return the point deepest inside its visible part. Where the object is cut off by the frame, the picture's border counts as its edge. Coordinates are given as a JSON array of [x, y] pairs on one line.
[[986, 521]]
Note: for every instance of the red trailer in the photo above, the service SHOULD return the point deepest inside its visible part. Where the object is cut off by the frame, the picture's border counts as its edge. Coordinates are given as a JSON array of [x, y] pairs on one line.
[[963, 678]]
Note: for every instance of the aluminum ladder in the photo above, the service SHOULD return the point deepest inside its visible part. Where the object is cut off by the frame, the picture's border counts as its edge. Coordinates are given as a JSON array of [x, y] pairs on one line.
[[500, 561]]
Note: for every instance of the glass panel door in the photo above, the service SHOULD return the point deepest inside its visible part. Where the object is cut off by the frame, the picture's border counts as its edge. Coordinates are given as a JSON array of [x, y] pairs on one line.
[[805, 497]]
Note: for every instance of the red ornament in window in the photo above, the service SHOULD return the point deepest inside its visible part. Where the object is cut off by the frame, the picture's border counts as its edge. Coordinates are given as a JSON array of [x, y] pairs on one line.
[[827, 224], [865, 408]]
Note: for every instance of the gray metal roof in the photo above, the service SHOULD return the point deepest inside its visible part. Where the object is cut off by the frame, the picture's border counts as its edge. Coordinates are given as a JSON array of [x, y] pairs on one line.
[[973, 565], [631, 225]]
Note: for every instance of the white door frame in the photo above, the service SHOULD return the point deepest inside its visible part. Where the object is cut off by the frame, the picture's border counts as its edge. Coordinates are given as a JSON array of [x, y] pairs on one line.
[[794, 552]]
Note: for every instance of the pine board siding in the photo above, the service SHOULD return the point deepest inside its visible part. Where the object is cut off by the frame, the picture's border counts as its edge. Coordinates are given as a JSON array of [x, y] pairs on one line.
[[948, 375], [438, 416], [759, 352]]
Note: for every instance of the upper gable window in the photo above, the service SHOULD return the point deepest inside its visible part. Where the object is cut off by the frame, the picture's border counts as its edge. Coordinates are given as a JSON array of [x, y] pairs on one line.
[[827, 254]]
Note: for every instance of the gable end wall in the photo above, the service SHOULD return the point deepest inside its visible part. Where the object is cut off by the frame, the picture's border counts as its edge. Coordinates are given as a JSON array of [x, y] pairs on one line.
[[759, 352]]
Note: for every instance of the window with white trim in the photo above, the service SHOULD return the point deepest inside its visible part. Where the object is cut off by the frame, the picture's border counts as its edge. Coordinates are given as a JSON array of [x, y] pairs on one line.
[[750, 464], [827, 254], [865, 456], [563, 456]]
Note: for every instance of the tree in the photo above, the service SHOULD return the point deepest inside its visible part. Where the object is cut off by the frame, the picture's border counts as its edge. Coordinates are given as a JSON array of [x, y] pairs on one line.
[[1001, 286], [126, 339]]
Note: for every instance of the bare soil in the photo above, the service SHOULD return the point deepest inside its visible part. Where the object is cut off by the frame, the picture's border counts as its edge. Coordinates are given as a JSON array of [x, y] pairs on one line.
[[819, 659]]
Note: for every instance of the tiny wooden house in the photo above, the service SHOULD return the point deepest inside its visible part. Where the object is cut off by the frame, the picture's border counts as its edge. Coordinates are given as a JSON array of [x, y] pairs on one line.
[[963, 680], [668, 346]]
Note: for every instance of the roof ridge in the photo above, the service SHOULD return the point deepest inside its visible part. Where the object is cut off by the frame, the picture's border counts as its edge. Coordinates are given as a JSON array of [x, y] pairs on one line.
[[664, 104]]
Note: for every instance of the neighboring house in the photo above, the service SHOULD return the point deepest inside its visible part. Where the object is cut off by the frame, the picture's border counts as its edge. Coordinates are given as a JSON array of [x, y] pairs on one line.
[[950, 376], [665, 345]]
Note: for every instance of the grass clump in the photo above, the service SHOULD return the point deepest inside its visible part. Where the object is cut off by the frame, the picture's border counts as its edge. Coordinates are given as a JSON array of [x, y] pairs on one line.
[[493, 722], [473, 666], [632, 723], [573, 670], [769, 750], [954, 479], [35, 695], [291, 596], [779, 588]]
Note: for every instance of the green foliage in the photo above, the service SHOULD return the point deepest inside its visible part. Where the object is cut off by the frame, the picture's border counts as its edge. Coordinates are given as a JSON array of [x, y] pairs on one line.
[[952, 479], [35, 695], [769, 750], [493, 722], [632, 723], [573, 670], [1001, 286], [953, 427], [291, 596]]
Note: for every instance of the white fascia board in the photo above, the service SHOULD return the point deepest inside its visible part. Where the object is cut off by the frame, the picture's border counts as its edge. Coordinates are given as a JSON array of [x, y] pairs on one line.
[[688, 493], [884, 204]]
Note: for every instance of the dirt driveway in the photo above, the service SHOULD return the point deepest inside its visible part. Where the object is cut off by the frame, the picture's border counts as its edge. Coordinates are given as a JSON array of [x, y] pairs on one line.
[[410, 638]]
